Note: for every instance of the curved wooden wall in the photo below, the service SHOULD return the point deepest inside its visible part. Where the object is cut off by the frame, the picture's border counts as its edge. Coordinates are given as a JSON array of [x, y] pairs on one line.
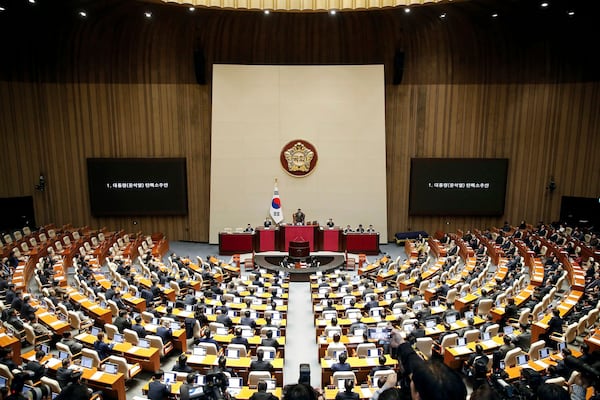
[[524, 86]]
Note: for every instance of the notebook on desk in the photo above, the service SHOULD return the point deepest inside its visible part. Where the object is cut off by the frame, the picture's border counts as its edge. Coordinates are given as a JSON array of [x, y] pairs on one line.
[[111, 368], [95, 331], [87, 362], [118, 338], [170, 377], [143, 343]]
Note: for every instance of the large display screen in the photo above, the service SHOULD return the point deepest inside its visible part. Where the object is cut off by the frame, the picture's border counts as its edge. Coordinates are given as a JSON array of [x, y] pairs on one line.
[[458, 186], [137, 186]]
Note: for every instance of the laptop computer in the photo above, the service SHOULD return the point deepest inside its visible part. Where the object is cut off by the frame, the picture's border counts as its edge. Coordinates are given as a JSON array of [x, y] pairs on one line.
[[143, 343], [199, 351], [170, 304], [62, 355], [271, 384], [247, 333], [118, 338], [508, 330], [95, 331], [87, 362], [461, 341], [373, 353], [170, 377], [45, 348], [3, 381], [235, 384], [451, 319], [175, 326], [232, 353], [430, 323], [222, 331], [522, 359], [469, 314], [111, 368], [545, 352], [189, 307], [269, 355], [486, 336], [200, 380], [341, 384]]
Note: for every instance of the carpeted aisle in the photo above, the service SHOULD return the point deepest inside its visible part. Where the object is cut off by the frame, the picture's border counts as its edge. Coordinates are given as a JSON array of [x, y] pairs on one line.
[[300, 336]]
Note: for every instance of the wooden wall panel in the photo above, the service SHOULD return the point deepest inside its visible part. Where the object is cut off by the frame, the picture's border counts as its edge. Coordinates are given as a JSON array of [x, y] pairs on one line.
[[116, 85]]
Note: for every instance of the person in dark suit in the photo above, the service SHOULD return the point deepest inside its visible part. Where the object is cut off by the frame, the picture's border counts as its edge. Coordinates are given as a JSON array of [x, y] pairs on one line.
[[224, 319], [348, 393], [36, 366], [269, 340], [207, 338], [299, 217], [17, 302], [64, 374], [239, 339], [248, 320], [139, 328], [74, 346], [122, 321], [185, 390], [103, 349], [260, 364], [181, 365], [330, 223], [262, 394], [267, 222], [341, 365], [380, 367], [156, 389], [164, 332]]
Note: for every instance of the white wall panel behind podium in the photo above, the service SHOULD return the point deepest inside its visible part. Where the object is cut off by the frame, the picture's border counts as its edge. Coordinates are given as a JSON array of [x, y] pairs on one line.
[[256, 110]]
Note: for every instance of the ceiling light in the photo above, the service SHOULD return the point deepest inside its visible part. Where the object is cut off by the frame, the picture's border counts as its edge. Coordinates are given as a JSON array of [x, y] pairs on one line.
[[267, 12], [2, 8], [32, 1], [332, 12], [82, 13], [192, 9], [495, 15], [407, 10], [148, 14], [570, 13], [443, 15], [544, 4]]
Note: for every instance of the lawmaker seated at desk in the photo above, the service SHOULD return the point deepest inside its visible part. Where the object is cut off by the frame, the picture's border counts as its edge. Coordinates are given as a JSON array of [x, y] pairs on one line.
[[298, 217]]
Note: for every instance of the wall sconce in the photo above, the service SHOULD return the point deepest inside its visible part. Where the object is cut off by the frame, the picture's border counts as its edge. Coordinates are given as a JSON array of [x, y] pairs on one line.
[[41, 186]]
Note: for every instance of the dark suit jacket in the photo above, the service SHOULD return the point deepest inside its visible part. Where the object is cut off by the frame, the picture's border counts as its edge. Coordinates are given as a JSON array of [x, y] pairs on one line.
[[261, 366], [269, 342], [343, 395], [140, 330], [157, 391], [263, 396], [38, 370]]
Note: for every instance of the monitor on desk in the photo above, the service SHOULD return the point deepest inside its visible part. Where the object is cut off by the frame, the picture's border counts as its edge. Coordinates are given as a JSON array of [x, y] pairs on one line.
[[275, 315], [332, 333], [540, 316], [232, 353], [199, 294], [431, 284], [435, 303], [375, 312], [430, 323], [373, 353], [111, 368], [278, 302], [450, 319], [87, 362], [95, 331], [155, 321], [463, 294], [341, 385], [236, 382], [62, 355], [269, 355], [103, 304], [3, 381], [199, 351], [45, 348], [354, 315], [461, 341], [170, 304], [522, 359], [405, 293], [143, 343], [170, 377], [118, 338], [379, 333], [271, 384], [275, 332], [560, 346], [329, 315], [26, 388], [508, 330], [190, 307], [222, 331], [247, 333], [256, 302], [324, 290], [237, 300], [469, 314], [209, 311], [545, 352], [486, 336], [175, 326], [200, 380]]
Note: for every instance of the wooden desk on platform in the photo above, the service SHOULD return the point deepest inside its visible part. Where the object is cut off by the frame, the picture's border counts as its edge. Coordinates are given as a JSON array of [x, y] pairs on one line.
[[361, 366], [149, 359], [454, 356], [232, 243], [12, 343], [244, 394], [112, 385], [265, 239], [331, 239], [593, 340], [99, 314], [293, 233], [240, 365], [367, 243]]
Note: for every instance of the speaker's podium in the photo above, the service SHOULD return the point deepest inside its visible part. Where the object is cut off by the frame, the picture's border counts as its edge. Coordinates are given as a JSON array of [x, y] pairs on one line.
[[305, 233], [299, 248]]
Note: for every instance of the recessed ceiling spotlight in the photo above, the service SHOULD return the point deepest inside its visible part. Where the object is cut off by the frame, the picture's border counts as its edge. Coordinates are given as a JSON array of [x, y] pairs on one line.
[[544, 4], [148, 14], [267, 12], [407, 10], [2, 8], [192, 9], [495, 15], [332, 12], [32, 1], [570, 13], [442, 15], [82, 13]]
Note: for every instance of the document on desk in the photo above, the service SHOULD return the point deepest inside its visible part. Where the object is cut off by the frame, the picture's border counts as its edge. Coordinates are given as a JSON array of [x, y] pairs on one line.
[[133, 349], [489, 343], [328, 362], [43, 314], [52, 362], [97, 376], [541, 364], [55, 323], [366, 393], [462, 350]]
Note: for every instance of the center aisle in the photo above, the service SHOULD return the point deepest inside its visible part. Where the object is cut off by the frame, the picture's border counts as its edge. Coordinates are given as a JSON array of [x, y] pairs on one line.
[[300, 336]]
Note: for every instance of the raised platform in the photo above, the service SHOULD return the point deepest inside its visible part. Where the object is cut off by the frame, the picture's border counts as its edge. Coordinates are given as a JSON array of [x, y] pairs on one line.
[[271, 262]]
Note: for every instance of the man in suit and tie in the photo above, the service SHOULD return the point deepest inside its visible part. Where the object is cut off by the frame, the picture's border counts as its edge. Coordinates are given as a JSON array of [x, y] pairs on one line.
[[158, 390]]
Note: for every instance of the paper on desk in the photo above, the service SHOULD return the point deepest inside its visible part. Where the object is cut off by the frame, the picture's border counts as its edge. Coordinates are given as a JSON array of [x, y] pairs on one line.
[[366, 393], [97, 375], [462, 350], [542, 364], [53, 361], [54, 323], [133, 349], [489, 343], [43, 314]]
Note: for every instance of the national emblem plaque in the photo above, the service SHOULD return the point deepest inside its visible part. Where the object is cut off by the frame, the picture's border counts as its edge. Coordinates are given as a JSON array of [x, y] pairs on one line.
[[298, 158]]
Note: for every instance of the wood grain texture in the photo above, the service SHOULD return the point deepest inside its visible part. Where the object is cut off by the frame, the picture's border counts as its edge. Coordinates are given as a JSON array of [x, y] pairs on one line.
[[524, 87]]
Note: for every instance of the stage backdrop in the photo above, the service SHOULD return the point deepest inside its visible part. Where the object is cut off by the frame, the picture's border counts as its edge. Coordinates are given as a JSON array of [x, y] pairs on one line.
[[257, 110]]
